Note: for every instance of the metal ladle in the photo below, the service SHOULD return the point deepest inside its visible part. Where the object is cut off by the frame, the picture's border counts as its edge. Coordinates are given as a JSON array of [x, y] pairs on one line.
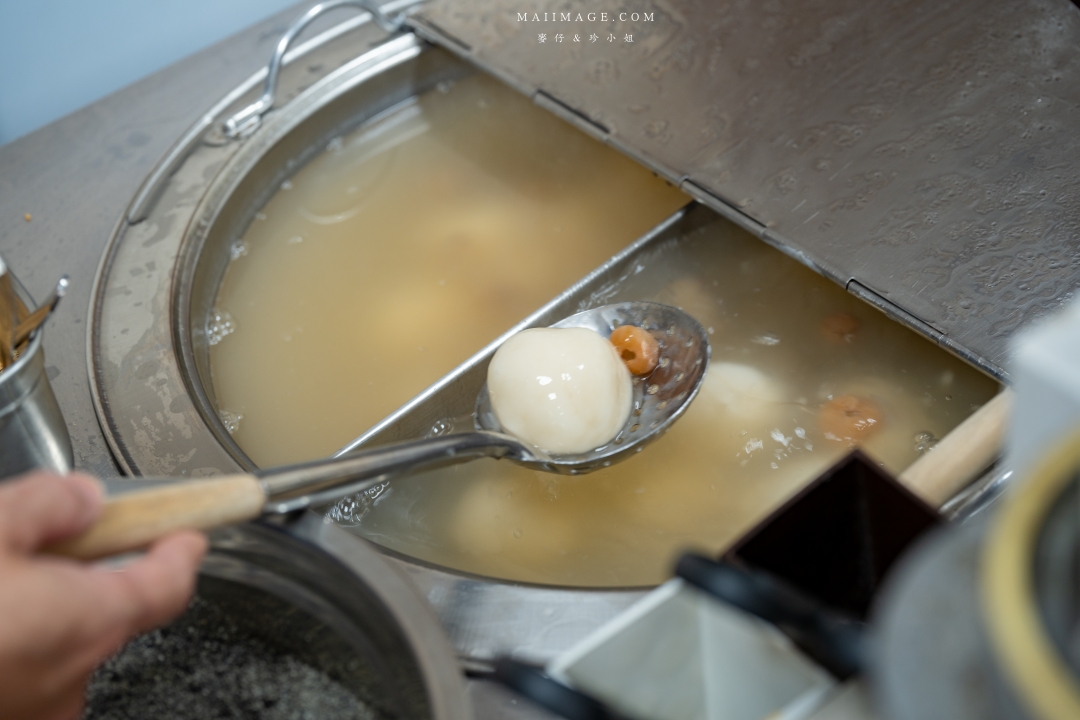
[[135, 519]]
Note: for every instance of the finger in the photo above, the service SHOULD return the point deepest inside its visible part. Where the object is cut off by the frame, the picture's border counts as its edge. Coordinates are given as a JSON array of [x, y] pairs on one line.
[[101, 609], [157, 587], [32, 703], [42, 507], [67, 706]]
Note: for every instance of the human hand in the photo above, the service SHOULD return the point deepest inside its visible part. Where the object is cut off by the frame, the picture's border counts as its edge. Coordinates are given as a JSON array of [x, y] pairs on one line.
[[60, 618]]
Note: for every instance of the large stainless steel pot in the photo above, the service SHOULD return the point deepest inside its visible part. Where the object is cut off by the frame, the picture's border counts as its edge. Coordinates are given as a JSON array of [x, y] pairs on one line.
[[159, 277]]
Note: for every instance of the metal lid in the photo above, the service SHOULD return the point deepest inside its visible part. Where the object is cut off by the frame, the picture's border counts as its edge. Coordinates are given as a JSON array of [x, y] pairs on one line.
[[926, 155]]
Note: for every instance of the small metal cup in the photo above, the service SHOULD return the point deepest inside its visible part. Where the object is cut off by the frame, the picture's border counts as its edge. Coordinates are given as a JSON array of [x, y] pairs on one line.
[[33, 433]]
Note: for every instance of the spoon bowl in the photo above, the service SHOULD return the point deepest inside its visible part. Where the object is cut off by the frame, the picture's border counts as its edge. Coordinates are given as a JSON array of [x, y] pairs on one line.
[[659, 398]]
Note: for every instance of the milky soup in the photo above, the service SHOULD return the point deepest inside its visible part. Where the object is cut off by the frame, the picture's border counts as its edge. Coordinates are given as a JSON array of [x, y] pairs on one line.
[[401, 251], [416, 240]]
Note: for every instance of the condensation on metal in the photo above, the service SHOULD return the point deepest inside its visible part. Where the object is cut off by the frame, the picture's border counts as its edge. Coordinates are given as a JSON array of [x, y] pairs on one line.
[[927, 150]]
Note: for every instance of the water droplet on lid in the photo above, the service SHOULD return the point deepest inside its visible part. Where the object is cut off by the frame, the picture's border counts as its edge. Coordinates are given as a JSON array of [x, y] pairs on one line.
[[635, 427], [652, 389], [664, 362], [679, 376]]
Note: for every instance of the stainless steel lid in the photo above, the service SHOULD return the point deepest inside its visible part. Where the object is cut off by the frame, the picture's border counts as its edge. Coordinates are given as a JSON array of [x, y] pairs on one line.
[[922, 154]]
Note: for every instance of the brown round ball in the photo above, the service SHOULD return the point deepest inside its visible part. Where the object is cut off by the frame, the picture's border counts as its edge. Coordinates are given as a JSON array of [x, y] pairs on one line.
[[850, 419], [638, 349]]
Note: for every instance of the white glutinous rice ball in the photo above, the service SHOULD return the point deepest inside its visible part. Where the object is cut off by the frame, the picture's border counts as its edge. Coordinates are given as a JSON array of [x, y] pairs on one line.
[[562, 389], [745, 392]]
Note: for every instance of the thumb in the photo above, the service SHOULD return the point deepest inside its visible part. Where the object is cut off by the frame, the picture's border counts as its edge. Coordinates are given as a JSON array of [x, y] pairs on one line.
[[43, 507]]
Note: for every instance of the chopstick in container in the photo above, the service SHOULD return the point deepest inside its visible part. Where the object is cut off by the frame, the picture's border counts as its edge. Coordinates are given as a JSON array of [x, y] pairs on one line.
[[9, 318]]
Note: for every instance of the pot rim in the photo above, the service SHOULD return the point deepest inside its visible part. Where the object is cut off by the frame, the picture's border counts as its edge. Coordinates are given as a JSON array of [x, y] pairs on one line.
[[149, 428]]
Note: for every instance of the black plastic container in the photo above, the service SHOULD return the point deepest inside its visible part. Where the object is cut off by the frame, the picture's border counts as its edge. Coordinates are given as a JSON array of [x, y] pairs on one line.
[[837, 538]]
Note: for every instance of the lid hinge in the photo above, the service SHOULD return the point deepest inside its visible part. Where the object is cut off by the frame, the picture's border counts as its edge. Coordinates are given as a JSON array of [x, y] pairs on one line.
[[575, 117], [940, 337], [893, 310], [736, 215], [437, 35]]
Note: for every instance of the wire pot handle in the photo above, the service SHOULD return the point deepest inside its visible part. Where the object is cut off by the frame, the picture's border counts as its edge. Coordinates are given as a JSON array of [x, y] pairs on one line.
[[246, 120]]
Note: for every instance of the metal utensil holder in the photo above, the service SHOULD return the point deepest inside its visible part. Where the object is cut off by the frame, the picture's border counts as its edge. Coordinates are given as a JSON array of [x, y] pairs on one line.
[[33, 433]]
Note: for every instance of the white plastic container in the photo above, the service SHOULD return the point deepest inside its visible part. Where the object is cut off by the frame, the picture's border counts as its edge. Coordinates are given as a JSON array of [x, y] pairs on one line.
[[681, 655], [1046, 377]]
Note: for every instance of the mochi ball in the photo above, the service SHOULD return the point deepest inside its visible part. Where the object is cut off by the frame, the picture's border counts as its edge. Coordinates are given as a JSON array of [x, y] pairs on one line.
[[564, 390]]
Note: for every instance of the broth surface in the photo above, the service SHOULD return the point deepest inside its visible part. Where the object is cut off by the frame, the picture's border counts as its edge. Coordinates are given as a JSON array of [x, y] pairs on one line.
[[420, 238], [404, 249], [753, 437]]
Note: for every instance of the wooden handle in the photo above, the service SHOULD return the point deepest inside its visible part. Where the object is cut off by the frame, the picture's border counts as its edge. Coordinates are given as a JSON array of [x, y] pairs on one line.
[[962, 454], [21, 311], [134, 520], [29, 323]]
